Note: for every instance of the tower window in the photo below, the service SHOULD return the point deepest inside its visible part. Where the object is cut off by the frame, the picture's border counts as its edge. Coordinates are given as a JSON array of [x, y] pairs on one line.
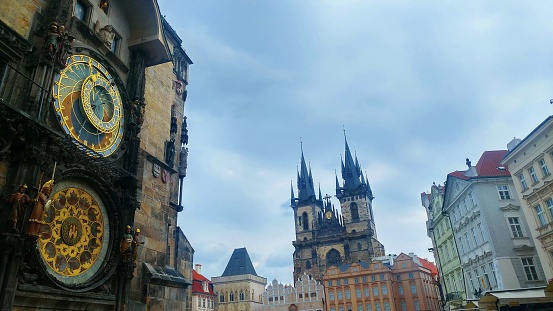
[[354, 211], [333, 258], [308, 265], [305, 221]]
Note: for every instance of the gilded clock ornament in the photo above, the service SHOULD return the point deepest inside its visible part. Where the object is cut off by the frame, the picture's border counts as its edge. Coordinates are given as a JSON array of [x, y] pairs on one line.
[[75, 235], [328, 215], [88, 105]]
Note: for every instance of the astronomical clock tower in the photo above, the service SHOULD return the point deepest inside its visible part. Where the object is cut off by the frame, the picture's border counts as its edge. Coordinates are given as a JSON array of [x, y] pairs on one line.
[[74, 112], [326, 236]]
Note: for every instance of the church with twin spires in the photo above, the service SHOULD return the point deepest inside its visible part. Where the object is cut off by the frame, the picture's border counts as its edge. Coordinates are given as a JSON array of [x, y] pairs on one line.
[[326, 236]]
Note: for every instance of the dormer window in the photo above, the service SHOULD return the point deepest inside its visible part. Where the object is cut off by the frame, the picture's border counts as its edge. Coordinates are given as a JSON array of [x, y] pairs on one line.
[[204, 285]]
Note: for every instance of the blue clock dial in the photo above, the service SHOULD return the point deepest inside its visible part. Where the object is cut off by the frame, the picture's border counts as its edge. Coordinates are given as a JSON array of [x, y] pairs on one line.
[[88, 105]]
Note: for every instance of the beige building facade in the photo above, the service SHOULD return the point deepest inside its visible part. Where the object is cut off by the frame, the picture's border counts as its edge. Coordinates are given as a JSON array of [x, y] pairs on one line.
[[530, 162], [306, 295], [239, 288]]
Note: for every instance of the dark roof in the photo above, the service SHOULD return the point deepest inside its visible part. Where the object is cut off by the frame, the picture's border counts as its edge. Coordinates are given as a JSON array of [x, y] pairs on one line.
[[166, 276], [239, 263]]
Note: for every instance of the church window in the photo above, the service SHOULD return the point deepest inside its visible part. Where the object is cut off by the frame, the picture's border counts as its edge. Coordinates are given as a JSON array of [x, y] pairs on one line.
[[241, 295], [308, 265], [333, 258], [354, 211], [305, 222], [299, 220], [222, 298], [231, 296]]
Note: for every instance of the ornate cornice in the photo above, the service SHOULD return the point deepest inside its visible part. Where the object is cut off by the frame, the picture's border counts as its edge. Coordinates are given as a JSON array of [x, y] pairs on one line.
[[509, 207]]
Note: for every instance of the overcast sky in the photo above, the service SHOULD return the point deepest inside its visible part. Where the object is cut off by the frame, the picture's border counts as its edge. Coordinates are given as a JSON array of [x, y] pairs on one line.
[[418, 86]]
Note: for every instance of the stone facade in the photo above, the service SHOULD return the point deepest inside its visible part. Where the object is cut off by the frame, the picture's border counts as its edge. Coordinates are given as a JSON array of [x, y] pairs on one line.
[[326, 236], [125, 87], [530, 162], [306, 295]]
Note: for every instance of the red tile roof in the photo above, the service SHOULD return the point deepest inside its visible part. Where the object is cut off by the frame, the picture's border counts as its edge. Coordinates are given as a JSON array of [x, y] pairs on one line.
[[489, 162], [459, 174], [197, 287], [429, 265]]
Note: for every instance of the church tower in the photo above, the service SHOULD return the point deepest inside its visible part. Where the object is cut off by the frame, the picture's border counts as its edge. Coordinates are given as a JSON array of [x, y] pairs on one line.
[[325, 236]]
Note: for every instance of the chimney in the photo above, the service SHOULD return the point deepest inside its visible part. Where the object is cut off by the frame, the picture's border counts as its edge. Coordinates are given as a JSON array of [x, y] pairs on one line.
[[198, 268], [513, 143]]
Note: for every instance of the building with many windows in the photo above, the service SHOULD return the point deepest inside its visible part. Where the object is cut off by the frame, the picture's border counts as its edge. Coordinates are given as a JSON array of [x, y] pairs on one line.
[[401, 283], [203, 296], [444, 248], [530, 162], [306, 295], [490, 230]]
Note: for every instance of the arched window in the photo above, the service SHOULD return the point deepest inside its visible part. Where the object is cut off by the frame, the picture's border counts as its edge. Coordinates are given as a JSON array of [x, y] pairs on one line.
[[241, 295], [308, 265], [305, 221], [354, 211], [222, 298], [231, 296], [333, 258]]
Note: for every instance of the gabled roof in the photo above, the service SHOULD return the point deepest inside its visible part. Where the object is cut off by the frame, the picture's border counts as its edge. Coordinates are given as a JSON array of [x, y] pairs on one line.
[[489, 162], [197, 284], [239, 263], [459, 174]]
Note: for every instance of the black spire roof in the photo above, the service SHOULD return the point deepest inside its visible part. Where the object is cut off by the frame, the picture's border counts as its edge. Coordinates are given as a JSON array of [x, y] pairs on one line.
[[239, 263], [306, 191], [350, 170]]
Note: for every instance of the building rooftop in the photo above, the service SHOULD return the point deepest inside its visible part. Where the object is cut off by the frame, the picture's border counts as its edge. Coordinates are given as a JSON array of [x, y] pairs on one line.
[[239, 263]]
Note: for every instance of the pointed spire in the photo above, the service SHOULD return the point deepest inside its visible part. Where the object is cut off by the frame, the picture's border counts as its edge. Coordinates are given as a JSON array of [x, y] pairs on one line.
[[362, 178], [320, 195], [305, 181], [292, 197], [350, 171], [338, 188]]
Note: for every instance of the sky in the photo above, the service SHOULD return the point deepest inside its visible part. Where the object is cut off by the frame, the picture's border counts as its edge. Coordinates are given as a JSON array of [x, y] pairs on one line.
[[418, 87]]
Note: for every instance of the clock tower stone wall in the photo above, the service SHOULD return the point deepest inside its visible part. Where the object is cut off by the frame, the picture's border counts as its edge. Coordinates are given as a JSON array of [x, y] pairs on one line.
[[136, 183]]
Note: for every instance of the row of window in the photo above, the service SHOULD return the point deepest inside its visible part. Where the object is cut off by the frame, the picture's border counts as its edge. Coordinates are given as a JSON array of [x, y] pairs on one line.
[[472, 238], [482, 277], [232, 296], [533, 175], [377, 306], [206, 303], [381, 277], [366, 292], [467, 204]]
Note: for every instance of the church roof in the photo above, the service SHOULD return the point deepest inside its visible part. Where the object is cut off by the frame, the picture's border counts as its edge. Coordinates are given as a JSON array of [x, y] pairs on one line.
[[239, 263]]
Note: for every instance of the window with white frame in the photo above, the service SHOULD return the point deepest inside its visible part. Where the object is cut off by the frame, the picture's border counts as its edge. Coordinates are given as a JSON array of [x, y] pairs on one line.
[[533, 175], [486, 276], [386, 306], [465, 205], [375, 291], [452, 249], [544, 168], [417, 305], [503, 191], [516, 229], [462, 246], [541, 215], [331, 296], [413, 289], [471, 198], [479, 225], [377, 306], [474, 237], [446, 252], [368, 307], [400, 290], [470, 282], [522, 182], [468, 241], [529, 268], [494, 277], [549, 203], [403, 306]]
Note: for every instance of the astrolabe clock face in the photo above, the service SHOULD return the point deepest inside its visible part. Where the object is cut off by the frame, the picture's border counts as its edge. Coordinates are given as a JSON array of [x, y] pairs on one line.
[[75, 235], [88, 105]]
